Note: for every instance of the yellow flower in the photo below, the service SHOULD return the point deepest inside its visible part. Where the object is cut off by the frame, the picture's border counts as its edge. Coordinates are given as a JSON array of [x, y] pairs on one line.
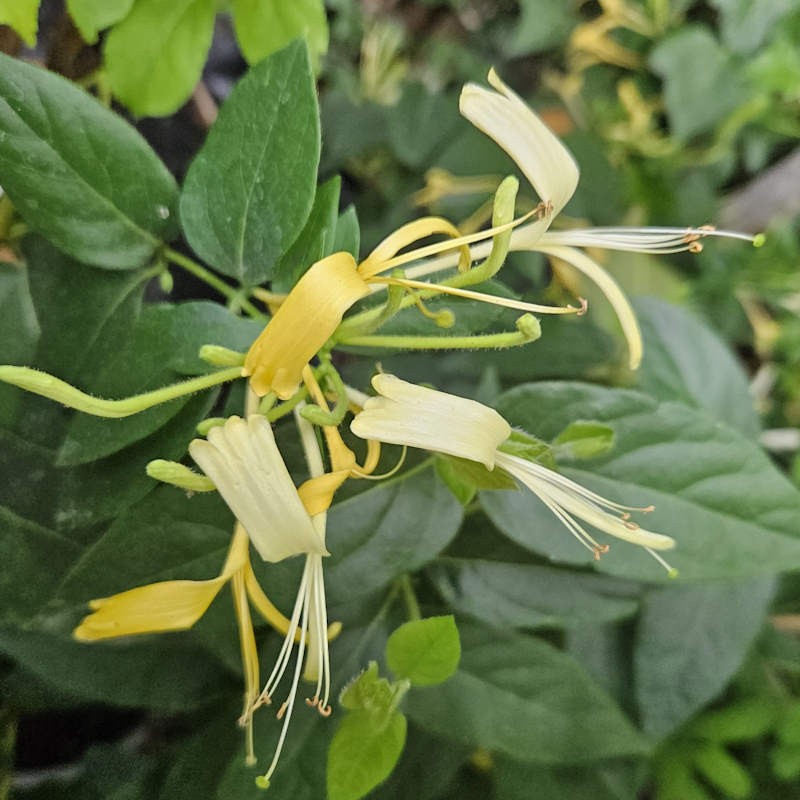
[[553, 174], [406, 414]]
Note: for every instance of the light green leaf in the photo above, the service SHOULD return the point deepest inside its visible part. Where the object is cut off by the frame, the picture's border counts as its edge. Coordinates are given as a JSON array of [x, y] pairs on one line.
[[348, 233], [693, 106], [542, 25], [250, 189], [470, 473], [155, 56], [315, 241], [678, 351], [729, 509], [373, 695], [384, 532], [361, 756], [78, 173], [582, 439], [93, 16], [680, 667], [425, 651], [531, 596], [23, 17], [723, 771], [264, 26], [463, 490], [521, 697]]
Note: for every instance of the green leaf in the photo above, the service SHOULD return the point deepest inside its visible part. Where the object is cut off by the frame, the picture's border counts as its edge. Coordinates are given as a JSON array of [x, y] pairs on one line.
[[680, 667], [23, 17], [264, 26], [361, 756], [155, 56], [114, 202], [693, 106], [19, 331], [161, 350], [785, 760], [542, 25], [742, 721], [93, 16], [470, 473], [425, 651], [316, 240], [463, 490], [250, 189], [348, 233], [530, 596], [678, 350], [380, 534], [607, 780], [373, 695], [746, 24], [582, 439], [119, 673], [729, 509], [523, 698]]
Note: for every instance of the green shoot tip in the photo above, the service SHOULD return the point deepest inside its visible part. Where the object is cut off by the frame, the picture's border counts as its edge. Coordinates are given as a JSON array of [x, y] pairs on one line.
[[759, 239]]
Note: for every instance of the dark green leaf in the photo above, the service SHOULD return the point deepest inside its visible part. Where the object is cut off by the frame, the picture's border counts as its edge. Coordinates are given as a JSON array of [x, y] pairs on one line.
[[543, 24], [522, 697], [361, 756], [473, 474], [93, 16], [690, 642], [463, 490], [264, 26], [251, 187], [316, 240], [746, 24], [161, 350], [679, 351], [424, 651], [730, 510], [154, 57], [78, 173], [19, 331], [530, 596], [696, 106], [607, 780], [348, 233], [382, 533]]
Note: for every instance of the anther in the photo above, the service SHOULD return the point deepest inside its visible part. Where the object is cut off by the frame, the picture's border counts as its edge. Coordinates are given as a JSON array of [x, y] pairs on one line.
[[584, 306], [695, 247], [325, 711], [631, 526], [544, 209], [311, 702], [282, 710]]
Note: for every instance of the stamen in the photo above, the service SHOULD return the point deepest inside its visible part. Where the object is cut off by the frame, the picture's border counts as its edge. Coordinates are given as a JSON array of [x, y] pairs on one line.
[[326, 711], [282, 709]]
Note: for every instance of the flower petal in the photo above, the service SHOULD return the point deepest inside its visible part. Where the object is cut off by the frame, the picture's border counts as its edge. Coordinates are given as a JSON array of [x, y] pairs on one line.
[[416, 416], [157, 607], [243, 460], [503, 116], [304, 322]]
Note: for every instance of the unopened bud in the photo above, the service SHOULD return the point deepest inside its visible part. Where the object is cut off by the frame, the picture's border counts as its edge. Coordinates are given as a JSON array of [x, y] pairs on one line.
[[179, 475], [219, 356]]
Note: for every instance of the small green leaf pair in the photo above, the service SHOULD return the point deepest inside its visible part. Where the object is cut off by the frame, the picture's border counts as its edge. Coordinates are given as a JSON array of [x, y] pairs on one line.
[[370, 739]]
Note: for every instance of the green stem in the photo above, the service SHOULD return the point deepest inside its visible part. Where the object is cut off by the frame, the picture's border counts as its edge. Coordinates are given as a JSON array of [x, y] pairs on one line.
[[409, 597], [234, 296], [528, 330], [41, 383]]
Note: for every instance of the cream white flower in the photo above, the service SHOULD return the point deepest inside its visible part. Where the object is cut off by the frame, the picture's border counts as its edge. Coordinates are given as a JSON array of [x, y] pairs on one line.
[[552, 172], [442, 422], [412, 415], [242, 459]]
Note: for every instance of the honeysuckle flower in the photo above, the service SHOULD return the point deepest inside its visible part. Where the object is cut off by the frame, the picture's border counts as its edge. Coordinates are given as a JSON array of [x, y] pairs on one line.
[[177, 605], [243, 460], [311, 312], [553, 174], [406, 414]]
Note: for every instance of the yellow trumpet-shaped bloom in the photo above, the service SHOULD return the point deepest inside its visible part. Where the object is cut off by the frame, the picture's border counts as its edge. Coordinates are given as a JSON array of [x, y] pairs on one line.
[[304, 322]]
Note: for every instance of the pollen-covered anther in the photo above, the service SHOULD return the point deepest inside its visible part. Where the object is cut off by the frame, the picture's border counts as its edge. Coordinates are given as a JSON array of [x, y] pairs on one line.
[[325, 711], [584, 306], [631, 526], [600, 550], [312, 702], [544, 209], [282, 710], [695, 247]]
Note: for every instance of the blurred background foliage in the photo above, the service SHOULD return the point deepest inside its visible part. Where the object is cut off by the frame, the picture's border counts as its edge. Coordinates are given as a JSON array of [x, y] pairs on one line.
[[679, 113]]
